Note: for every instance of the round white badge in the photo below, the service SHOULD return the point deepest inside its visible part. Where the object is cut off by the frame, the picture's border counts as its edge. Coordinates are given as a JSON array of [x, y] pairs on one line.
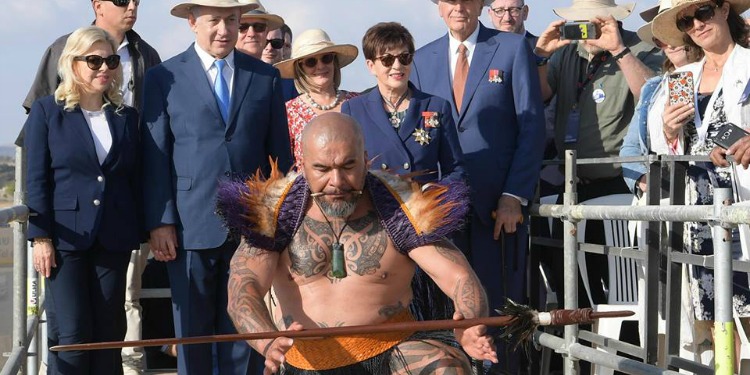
[[598, 95]]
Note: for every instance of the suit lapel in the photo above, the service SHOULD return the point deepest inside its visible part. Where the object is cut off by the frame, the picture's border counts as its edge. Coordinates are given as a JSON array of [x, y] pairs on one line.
[[480, 61], [242, 78], [116, 129], [413, 118], [441, 56], [194, 72], [375, 110]]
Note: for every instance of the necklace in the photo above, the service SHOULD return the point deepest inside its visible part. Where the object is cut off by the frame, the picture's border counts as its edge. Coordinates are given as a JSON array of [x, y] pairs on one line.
[[324, 107], [396, 117], [716, 66], [337, 249]]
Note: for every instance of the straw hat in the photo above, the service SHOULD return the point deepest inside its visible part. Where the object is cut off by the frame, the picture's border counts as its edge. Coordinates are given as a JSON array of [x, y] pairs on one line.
[[183, 9], [665, 24], [584, 10], [648, 15], [313, 42], [274, 22], [486, 2]]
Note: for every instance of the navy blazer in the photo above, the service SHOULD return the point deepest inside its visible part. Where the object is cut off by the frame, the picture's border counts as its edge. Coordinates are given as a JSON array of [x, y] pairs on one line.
[[188, 147], [398, 150], [71, 197], [501, 124]]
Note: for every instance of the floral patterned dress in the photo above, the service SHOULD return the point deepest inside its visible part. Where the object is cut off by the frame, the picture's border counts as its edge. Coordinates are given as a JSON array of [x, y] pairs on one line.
[[298, 114], [702, 178]]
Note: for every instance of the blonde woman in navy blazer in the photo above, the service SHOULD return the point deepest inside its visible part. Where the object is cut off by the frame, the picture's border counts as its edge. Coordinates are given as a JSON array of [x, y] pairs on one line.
[[405, 130], [83, 196]]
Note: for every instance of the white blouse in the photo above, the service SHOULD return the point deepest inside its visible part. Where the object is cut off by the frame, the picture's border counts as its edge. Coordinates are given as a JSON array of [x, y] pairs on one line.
[[100, 132]]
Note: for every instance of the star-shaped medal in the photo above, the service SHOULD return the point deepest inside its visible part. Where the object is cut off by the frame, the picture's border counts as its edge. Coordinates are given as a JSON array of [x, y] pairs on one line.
[[421, 136]]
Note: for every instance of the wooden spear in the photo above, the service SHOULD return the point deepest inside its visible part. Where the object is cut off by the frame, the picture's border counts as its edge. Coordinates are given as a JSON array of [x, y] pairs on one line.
[[554, 317]]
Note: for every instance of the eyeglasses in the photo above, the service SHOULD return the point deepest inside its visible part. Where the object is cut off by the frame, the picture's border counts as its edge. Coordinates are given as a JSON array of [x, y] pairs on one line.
[[275, 43], [258, 27], [703, 14], [311, 62], [94, 62], [500, 11], [123, 3], [387, 60]]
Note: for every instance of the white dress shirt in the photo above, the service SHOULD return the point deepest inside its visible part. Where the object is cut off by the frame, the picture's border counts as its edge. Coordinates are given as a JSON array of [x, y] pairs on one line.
[[208, 66], [127, 73], [100, 132]]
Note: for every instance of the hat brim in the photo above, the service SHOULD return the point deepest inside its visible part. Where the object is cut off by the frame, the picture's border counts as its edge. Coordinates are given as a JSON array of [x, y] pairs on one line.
[[647, 36], [649, 14], [183, 10], [665, 23], [619, 12], [486, 2], [274, 22], [346, 54]]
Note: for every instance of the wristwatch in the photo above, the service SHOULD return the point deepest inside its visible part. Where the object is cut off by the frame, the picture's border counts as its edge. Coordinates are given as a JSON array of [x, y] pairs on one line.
[[541, 61], [622, 54]]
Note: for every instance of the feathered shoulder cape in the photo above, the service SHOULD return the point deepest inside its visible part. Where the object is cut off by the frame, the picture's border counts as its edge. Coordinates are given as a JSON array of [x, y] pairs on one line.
[[268, 211]]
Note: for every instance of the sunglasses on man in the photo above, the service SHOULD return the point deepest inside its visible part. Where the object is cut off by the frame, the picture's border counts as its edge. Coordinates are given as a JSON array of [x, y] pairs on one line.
[[311, 62], [123, 3], [387, 60], [703, 14], [258, 27], [95, 62], [276, 43]]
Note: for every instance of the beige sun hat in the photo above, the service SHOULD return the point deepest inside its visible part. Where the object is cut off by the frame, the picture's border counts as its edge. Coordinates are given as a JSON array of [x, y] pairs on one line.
[[584, 10], [183, 9], [648, 15], [665, 24], [486, 2], [274, 22], [312, 42]]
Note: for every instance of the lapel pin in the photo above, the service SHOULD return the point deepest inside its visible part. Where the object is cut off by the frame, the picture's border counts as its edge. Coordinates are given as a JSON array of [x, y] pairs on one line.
[[496, 76], [431, 120]]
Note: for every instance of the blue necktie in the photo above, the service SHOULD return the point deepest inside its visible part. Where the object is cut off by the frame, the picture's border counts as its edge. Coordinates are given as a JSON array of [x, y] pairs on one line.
[[221, 89]]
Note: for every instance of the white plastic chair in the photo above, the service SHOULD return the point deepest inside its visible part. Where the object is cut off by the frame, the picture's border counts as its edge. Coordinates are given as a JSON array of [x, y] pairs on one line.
[[626, 275]]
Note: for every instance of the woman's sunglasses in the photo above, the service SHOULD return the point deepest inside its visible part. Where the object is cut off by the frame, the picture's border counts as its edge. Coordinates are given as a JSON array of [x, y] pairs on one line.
[[703, 14], [387, 60], [94, 62], [258, 27], [311, 62], [123, 3], [275, 43]]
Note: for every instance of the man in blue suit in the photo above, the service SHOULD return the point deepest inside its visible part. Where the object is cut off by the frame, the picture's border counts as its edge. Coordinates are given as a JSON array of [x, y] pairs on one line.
[[209, 113], [491, 79]]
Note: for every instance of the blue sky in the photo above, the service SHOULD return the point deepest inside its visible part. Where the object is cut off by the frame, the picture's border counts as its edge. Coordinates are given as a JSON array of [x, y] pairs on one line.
[[29, 26]]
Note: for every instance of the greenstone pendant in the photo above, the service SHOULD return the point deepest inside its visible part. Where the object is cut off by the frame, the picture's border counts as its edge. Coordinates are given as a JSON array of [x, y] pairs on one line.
[[337, 263]]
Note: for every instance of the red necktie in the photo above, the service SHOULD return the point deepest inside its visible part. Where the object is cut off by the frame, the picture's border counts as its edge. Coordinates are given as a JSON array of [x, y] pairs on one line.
[[459, 76]]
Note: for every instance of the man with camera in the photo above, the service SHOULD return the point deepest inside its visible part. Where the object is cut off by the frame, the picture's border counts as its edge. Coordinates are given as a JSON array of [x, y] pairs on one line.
[[596, 70]]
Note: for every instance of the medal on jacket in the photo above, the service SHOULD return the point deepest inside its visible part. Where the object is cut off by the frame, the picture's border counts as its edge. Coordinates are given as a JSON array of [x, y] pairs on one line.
[[431, 119], [421, 136]]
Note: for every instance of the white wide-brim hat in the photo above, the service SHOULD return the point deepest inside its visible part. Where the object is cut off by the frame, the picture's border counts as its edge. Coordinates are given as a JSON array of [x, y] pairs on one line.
[[486, 2], [182, 10], [644, 32], [665, 24], [274, 21], [313, 42], [584, 10]]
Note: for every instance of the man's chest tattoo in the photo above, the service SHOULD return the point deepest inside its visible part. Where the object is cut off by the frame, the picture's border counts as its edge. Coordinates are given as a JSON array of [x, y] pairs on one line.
[[364, 241]]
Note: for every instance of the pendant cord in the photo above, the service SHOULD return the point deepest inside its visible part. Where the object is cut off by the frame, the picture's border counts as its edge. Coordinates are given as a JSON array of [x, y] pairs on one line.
[[337, 237], [398, 102]]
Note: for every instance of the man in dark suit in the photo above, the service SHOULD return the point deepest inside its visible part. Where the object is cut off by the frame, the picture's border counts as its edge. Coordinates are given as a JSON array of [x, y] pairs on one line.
[[491, 79], [209, 113]]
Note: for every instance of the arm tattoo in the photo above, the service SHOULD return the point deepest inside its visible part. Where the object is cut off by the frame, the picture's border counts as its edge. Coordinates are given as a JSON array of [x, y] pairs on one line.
[[245, 295], [469, 297], [450, 253]]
